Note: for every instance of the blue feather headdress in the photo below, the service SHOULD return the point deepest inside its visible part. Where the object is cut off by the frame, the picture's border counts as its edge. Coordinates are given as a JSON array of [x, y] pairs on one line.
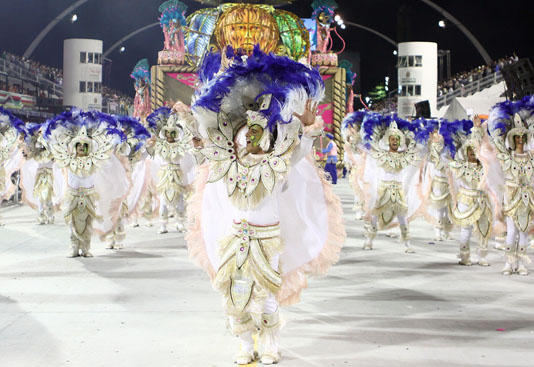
[[133, 128], [32, 130], [12, 121], [141, 71], [375, 125], [323, 6], [354, 119], [76, 118], [454, 134], [427, 127], [278, 76], [502, 114], [159, 117], [172, 12]]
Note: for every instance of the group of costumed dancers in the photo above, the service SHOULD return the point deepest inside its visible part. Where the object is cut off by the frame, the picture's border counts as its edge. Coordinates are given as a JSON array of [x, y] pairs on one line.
[[473, 174], [237, 172]]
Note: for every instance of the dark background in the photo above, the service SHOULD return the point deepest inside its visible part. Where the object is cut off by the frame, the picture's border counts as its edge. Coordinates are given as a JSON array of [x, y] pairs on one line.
[[503, 27]]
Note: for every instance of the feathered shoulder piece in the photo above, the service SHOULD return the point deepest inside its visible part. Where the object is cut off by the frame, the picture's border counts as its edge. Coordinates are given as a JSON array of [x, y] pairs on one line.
[[354, 119], [33, 145], [82, 141], [425, 130], [136, 134], [10, 126], [157, 119]]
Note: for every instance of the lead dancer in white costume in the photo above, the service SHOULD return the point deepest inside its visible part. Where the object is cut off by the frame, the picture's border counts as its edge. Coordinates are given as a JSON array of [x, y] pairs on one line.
[[11, 130], [511, 125], [263, 217], [392, 164], [173, 164], [41, 179], [97, 183]]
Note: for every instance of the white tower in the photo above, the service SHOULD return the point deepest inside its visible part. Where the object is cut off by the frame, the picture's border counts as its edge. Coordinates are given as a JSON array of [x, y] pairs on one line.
[[417, 71], [82, 73]]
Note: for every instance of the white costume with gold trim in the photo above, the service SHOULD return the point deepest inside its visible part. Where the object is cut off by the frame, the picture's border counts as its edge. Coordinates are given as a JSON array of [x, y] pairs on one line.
[[97, 183]]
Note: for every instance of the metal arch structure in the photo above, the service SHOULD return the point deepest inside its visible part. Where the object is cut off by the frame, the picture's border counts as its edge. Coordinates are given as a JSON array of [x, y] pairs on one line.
[[430, 3], [130, 35], [51, 25], [381, 35], [468, 34]]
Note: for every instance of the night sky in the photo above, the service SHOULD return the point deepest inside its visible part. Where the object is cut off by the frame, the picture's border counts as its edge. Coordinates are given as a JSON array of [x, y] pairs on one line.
[[503, 27]]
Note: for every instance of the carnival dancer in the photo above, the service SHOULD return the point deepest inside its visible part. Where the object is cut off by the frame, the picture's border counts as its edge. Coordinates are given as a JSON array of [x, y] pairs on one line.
[[139, 173], [354, 158], [390, 173], [511, 125], [435, 191], [173, 163], [331, 158], [11, 131], [41, 179], [141, 74], [97, 183], [248, 229], [474, 206]]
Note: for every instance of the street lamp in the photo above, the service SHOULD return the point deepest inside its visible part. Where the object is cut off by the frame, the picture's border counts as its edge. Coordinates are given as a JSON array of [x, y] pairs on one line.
[[442, 23], [73, 18]]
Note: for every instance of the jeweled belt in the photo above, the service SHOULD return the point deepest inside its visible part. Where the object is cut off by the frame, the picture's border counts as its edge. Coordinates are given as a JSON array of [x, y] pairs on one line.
[[391, 184]]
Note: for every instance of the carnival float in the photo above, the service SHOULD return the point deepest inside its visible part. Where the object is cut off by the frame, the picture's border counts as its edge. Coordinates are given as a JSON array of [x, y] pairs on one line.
[[241, 26]]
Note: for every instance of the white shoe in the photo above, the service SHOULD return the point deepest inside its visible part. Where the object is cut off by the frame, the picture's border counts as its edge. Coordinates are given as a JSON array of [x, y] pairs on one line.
[[118, 246], [268, 359], [180, 227], [368, 245], [521, 268], [483, 262], [162, 230], [358, 216], [149, 225], [135, 225], [507, 270], [110, 245], [465, 259], [87, 254], [244, 358]]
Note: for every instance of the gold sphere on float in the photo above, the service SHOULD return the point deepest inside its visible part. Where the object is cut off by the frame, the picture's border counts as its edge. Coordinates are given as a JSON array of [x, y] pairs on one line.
[[242, 26]]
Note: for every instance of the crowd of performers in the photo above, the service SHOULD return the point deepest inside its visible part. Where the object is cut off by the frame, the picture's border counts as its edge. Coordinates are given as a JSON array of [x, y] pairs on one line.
[[236, 171], [473, 174]]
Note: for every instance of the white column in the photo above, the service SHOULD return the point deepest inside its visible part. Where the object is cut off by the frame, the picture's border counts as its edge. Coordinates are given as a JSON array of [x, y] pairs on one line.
[[82, 73], [417, 72]]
